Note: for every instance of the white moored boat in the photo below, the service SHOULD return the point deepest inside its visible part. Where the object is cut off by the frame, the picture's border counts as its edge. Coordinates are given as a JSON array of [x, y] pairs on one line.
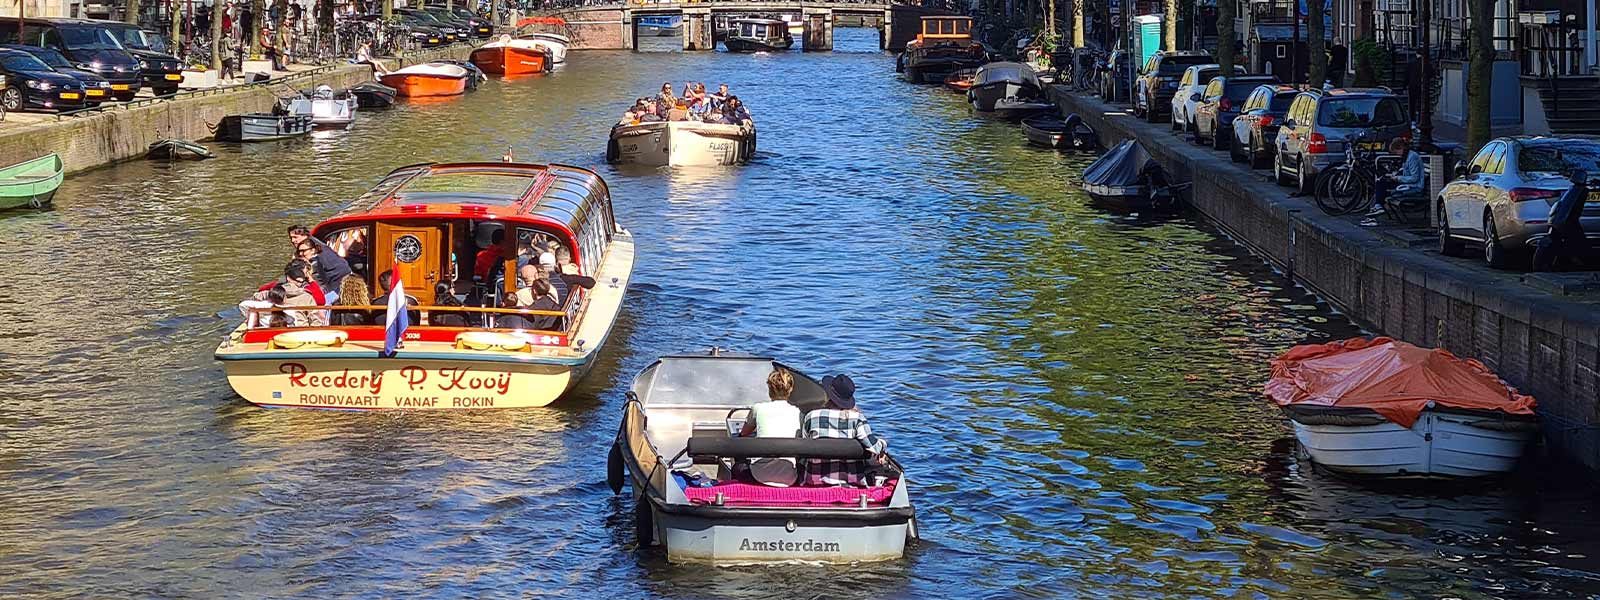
[[328, 109], [1385, 407], [679, 425], [681, 143], [461, 351], [555, 43]]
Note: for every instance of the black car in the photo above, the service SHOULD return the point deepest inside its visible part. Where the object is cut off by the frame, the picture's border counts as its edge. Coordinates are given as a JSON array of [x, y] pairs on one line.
[[88, 46], [32, 84], [160, 70], [95, 88], [414, 17], [481, 26]]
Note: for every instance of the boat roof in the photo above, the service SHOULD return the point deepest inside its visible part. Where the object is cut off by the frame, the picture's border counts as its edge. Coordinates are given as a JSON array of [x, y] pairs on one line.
[[475, 190]]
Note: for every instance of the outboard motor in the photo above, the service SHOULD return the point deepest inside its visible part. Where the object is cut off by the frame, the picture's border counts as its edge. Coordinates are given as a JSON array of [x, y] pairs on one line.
[[1083, 137]]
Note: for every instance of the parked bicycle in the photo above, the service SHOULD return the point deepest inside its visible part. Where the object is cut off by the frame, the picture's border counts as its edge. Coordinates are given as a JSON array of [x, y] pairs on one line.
[[1349, 187]]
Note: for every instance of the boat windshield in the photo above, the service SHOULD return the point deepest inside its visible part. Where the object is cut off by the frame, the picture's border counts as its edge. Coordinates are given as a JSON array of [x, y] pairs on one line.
[[709, 382], [498, 189]]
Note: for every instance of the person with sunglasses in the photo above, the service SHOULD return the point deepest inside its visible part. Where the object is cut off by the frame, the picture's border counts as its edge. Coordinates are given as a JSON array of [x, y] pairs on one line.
[[329, 268]]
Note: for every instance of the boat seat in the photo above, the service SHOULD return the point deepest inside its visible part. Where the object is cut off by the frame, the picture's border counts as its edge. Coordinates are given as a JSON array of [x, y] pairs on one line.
[[751, 494]]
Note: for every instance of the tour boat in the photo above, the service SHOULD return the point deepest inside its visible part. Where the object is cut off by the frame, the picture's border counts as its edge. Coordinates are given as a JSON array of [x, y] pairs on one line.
[[31, 183], [262, 127], [758, 35], [556, 43], [373, 95], [681, 143], [1387, 408], [945, 46], [508, 56], [426, 225], [1003, 83], [327, 109], [428, 79], [675, 449]]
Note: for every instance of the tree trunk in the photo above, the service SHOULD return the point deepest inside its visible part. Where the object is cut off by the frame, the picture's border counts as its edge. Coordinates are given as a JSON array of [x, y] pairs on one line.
[[217, 10], [1480, 73], [177, 25], [258, 15], [1316, 46], [1050, 20], [1225, 35], [388, 10], [1077, 23], [1170, 33], [133, 12]]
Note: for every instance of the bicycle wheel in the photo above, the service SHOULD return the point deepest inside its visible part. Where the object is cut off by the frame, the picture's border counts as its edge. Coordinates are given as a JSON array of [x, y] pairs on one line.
[[1338, 190]]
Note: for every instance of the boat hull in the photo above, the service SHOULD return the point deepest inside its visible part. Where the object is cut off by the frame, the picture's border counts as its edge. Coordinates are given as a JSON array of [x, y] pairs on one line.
[[373, 95], [779, 538], [262, 128], [744, 44], [326, 113], [31, 183], [422, 85], [922, 69], [681, 143], [510, 60], [1044, 137], [1438, 444], [985, 97]]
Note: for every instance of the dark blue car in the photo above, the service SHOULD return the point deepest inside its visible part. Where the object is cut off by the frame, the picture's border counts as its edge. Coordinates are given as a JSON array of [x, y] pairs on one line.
[[96, 89], [1221, 101], [32, 84]]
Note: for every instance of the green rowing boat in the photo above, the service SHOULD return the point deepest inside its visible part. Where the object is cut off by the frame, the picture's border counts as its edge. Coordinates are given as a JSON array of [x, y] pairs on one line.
[[31, 183]]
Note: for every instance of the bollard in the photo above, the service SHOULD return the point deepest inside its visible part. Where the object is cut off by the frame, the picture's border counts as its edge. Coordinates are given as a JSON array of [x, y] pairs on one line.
[[1435, 185]]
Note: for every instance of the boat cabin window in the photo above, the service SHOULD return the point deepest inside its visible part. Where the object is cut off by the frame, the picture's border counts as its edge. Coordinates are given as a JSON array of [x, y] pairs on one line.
[[749, 30]]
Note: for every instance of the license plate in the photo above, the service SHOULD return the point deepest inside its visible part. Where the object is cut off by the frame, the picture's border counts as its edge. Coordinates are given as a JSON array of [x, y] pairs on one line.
[[483, 30], [433, 40], [1372, 145], [120, 87], [96, 92], [70, 95], [1594, 198], [174, 77]]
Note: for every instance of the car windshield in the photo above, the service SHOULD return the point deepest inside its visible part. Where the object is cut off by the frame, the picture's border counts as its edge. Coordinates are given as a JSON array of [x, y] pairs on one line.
[[50, 57], [1559, 158], [130, 38], [425, 18], [84, 38], [23, 62], [1175, 66], [1361, 112]]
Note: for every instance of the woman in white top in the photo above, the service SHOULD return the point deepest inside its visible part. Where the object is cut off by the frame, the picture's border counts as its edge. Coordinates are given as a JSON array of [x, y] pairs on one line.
[[775, 418]]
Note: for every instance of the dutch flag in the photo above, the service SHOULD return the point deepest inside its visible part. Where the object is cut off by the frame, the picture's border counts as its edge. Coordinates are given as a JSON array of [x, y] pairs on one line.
[[394, 322]]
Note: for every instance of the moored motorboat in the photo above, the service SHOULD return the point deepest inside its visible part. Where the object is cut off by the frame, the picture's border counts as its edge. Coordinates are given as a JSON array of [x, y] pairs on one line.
[[428, 79], [31, 183], [1004, 83], [262, 127], [960, 81], [1383, 407], [681, 143], [1127, 174], [475, 75], [680, 424], [945, 46], [510, 56], [1052, 131], [758, 35], [173, 149], [328, 109], [373, 95], [457, 349], [555, 43]]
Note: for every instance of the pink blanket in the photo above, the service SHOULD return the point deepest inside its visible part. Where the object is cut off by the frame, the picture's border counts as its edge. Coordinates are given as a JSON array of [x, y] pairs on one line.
[[753, 494]]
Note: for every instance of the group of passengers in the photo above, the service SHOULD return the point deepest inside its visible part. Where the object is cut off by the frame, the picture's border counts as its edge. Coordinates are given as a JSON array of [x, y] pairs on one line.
[[837, 419], [693, 105]]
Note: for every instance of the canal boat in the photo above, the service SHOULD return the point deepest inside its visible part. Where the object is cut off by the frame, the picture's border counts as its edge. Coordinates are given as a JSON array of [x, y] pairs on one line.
[[675, 451], [758, 35], [944, 46], [31, 183], [328, 109], [259, 127], [659, 25], [510, 56], [1382, 407], [555, 43], [1052, 131], [174, 149], [430, 227], [1004, 85], [681, 144], [373, 95], [428, 80]]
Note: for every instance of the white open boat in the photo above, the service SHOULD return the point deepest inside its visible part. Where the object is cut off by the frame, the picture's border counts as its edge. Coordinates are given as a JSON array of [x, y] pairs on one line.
[[681, 143], [677, 426], [328, 109], [555, 43]]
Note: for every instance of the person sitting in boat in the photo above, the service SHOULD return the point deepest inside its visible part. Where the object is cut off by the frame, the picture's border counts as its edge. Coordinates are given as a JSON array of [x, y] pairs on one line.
[[490, 258], [443, 297], [678, 112], [300, 290], [775, 418], [353, 292], [720, 97], [840, 420], [665, 98], [386, 283], [329, 269], [736, 112]]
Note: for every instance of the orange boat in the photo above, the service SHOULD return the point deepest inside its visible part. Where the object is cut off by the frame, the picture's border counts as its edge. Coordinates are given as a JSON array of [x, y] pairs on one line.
[[429, 79], [508, 56]]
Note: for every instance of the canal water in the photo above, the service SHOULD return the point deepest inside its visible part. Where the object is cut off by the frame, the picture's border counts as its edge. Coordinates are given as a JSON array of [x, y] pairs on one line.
[[1075, 388]]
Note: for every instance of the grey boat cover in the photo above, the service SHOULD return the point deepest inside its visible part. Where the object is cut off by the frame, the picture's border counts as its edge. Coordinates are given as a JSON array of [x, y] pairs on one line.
[[1121, 171]]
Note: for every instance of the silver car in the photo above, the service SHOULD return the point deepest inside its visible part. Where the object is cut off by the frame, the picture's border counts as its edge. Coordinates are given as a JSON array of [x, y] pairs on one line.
[[1193, 82], [1314, 131], [1502, 197]]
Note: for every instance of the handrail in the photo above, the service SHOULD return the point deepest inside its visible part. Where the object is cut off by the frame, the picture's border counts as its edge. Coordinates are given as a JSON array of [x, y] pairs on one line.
[[417, 307]]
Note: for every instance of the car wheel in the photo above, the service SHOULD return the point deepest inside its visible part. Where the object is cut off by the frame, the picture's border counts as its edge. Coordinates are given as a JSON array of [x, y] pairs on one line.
[[1173, 119], [1217, 141], [12, 99], [1448, 246], [1493, 253], [1277, 172], [1234, 151], [1302, 185]]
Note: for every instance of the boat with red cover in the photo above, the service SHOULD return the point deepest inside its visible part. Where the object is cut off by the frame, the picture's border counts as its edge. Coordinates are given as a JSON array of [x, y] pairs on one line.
[[450, 234], [1384, 407]]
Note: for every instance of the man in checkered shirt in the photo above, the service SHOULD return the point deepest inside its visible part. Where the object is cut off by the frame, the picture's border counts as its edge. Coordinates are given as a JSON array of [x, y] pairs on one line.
[[841, 420]]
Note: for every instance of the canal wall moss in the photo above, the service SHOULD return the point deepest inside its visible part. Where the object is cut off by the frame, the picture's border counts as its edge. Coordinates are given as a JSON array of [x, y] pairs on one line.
[[1542, 343], [119, 133]]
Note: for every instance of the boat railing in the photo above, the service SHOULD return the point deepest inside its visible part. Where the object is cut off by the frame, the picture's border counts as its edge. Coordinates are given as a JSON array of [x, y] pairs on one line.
[[253, 314]]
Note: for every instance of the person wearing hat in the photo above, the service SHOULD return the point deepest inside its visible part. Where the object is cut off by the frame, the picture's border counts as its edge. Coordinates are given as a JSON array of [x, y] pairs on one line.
[[840, 420]]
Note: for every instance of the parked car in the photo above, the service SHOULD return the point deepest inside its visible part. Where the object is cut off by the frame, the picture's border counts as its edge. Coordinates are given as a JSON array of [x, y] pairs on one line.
[[475, 25], [1219, 103], [1158, 81], [417, 33], [1502, 198], [88, 46], [1187, 97], [95, 88], [1313, 134], [159, 69], [1255, 130], [32, 84], [1115, 79], [419, 17]]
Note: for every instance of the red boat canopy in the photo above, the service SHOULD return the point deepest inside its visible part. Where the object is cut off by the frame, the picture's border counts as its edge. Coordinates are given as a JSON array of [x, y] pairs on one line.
[[1390, 377]]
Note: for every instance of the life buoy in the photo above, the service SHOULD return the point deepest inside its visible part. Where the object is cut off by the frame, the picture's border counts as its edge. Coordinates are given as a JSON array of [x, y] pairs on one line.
[[321, 338], [491, 340]]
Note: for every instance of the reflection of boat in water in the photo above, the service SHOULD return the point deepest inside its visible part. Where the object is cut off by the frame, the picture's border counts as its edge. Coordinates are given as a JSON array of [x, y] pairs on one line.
[[428, 79], [459, 351], [1001, 83], [659, 25], [758, 35], [681, 143], [1385, 407], [31, 183], [509, 56], [677, 427], [945, 46]]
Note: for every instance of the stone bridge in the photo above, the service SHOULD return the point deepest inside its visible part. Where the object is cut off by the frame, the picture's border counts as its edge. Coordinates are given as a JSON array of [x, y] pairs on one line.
[[614, 26]]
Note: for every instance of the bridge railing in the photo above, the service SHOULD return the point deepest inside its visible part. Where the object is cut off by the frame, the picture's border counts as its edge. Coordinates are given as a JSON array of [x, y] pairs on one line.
[[538, 5]]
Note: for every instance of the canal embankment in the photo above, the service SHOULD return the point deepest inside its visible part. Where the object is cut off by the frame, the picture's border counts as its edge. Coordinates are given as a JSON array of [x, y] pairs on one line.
[[92, 139], [1529, 328]]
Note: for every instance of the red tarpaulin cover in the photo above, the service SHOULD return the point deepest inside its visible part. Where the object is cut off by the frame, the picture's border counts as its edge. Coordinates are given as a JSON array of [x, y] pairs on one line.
[[1393, 378]]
